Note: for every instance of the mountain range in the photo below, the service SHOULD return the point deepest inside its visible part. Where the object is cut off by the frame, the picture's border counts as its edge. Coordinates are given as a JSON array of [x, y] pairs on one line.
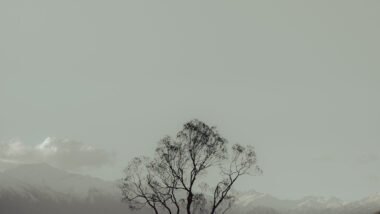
[[43, 189]]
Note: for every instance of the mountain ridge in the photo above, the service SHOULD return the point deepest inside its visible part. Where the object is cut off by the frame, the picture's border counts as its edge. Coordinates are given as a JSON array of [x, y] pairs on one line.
[[42, 183]]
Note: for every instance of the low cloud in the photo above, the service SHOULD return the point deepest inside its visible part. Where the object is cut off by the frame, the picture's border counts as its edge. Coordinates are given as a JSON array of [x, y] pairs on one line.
[[62, 153]]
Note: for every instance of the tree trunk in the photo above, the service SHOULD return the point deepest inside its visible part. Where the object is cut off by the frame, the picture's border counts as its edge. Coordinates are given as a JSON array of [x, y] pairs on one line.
[[177, 207], [213, 210], [189, 202], [168, 209], [155, 210]]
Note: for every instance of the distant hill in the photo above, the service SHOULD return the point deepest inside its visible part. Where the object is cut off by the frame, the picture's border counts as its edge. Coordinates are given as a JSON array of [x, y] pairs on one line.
[[42, 189]]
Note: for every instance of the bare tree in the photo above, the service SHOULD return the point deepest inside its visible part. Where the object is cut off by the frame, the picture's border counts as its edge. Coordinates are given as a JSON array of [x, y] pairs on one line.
[[169, 181]]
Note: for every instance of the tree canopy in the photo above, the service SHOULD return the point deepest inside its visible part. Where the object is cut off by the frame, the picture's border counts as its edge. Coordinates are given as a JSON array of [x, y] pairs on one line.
[[171, 180]]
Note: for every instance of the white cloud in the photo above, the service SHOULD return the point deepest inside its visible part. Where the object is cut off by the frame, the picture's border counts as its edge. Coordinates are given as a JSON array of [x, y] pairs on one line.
[[62, 153]]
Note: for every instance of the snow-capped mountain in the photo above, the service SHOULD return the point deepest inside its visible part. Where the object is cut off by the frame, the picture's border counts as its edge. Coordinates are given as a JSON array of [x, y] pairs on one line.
[[252, 199], [250, 202], [369, 204], [319, 202], [42, 189]]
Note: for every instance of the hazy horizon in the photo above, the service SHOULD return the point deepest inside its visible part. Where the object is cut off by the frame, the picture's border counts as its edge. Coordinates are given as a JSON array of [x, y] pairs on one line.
[[88, 85]]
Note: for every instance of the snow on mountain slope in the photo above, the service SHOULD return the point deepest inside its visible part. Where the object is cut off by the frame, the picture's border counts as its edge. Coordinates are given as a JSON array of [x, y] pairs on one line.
[[371, 202], [252, 199], [375, 198], [319, 202]]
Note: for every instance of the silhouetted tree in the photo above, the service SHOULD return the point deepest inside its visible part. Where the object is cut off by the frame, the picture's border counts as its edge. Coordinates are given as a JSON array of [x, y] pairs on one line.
[[169, 181]]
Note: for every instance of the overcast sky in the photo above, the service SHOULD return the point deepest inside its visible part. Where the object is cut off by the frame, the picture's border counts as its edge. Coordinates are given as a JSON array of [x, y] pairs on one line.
[[299, 80]]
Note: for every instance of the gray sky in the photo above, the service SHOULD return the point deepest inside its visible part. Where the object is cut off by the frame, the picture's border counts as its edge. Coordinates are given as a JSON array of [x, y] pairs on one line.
[[299, 80]]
